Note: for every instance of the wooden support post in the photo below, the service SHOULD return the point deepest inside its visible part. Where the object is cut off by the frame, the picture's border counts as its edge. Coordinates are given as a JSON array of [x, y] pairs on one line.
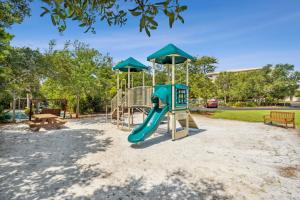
[[111, 112], [187, 97], [153, 74], [118, 100], [132, 113], [168, 122], [169, 67], [128, 103], [173, 99], [106, 115], [144, 100], [132, 81]]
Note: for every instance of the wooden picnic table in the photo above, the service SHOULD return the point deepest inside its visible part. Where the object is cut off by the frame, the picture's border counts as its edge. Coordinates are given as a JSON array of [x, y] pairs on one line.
[[45, 120]]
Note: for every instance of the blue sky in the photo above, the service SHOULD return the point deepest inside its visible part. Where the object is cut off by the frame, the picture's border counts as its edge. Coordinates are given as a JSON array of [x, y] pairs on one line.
[[240, 33]]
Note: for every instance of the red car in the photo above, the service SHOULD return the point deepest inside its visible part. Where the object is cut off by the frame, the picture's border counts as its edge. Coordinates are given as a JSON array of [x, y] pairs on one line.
[[212, 103]]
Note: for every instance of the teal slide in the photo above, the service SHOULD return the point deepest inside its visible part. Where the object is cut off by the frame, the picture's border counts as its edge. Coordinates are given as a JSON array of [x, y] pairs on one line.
[[150, 124]]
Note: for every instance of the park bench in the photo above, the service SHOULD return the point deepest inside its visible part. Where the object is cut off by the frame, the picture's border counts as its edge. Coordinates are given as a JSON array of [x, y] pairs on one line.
[[281, 117], [45, 121]]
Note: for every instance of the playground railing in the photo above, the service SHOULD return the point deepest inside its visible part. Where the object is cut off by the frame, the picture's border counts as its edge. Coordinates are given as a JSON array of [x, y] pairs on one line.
[[140, 96], [114, 101]]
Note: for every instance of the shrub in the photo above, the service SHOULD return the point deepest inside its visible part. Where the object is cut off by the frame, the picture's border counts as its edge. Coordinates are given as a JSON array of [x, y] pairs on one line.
[[3, 116], [27, 111], [242, 104], [230, 104], [251, 104], [239, 104]]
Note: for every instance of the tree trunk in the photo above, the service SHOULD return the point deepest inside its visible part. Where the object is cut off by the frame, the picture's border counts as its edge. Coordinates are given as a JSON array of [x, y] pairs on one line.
[[14, 108], [27, 100], [77, 106]]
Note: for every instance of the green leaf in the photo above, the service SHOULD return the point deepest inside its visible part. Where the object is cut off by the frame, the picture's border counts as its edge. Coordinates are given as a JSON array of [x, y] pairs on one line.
[[153, 27], [53, 20], [46, 10], [76, 18], [180, 19], [135, 13], [147, 31], [171, 19], [135, 9], [181, 9], [71, 14], [160, 3], [143, 22], [85, 3], [152, 21]]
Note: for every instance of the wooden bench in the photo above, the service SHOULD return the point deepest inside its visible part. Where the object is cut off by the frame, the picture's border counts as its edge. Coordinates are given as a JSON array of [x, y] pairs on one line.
[[281, 117], [34, 125], [45, 121], [60, 121]]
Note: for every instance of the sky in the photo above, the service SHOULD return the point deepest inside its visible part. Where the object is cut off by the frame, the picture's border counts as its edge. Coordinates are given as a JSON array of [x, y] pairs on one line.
[[239, 33]]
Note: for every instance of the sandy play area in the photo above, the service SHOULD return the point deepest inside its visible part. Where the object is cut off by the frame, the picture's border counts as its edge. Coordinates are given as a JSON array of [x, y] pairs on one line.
[[90, 159]]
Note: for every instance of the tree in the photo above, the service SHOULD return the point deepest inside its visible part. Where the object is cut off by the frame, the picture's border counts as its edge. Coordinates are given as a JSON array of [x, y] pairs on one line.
[[23, 70], [284, 82], [11, 12], [2, 89], [202, 87], [224, 83], [88, 12], [204, 65], [269, 84], [76, 73], [5, 39]]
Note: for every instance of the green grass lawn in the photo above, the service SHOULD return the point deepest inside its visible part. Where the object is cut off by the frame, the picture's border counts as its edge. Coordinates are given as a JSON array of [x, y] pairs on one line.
[[249, 115]]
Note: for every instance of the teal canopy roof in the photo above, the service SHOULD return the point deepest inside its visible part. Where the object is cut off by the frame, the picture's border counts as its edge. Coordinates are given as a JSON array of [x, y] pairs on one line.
[[133, 64], [164, 55]]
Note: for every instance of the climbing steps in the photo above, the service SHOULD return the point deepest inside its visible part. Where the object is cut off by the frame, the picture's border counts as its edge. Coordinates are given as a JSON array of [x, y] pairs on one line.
[[191, 121]]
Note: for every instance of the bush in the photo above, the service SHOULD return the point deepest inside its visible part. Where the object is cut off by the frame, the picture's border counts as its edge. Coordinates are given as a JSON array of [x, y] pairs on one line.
[[3, 116], [242, 104], [230, 104], [239, 104], [27, 111], [251, 104]]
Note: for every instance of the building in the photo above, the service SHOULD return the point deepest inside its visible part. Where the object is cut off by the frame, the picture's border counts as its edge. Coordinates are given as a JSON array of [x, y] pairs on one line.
[[214, 75]]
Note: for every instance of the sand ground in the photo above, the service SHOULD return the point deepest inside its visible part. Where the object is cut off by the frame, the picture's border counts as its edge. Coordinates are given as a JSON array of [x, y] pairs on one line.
[[90, 159]]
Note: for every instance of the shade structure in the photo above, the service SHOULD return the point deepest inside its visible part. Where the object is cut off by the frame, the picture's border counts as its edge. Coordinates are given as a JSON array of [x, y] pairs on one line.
[[133, 64], [164, 55]]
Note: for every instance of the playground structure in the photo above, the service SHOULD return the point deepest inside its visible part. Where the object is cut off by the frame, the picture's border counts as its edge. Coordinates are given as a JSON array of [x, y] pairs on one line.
[[128, 99], [169, 99]]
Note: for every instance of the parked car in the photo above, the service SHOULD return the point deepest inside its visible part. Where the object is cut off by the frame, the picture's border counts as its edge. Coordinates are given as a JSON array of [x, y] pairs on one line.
[[212, 103]]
